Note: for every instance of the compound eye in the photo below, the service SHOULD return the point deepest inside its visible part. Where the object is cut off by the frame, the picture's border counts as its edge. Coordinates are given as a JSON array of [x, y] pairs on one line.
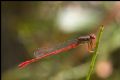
[[92, 36]]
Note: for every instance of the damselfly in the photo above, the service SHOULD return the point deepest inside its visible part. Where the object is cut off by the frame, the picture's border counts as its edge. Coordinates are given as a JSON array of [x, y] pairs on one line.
[[42, 52]]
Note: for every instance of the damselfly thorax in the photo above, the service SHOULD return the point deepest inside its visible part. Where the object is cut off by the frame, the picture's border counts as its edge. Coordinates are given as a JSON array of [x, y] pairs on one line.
[[89, 39]]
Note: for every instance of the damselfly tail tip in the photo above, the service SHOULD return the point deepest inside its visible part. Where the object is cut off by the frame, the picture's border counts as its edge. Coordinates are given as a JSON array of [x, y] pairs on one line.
[[23, 64]]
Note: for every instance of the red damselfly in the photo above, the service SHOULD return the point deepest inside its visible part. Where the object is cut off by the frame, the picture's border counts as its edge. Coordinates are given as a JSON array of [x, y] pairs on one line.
[[42, 52]]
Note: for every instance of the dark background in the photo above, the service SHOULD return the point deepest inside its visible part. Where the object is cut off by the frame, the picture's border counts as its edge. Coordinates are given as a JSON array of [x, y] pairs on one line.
[[30, 25]]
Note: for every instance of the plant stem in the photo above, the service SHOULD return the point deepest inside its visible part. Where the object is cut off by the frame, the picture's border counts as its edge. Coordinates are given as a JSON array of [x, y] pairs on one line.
[[95, 54]]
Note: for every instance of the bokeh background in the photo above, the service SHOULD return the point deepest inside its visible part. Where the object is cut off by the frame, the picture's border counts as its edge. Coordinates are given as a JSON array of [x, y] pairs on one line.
[[30, 25]]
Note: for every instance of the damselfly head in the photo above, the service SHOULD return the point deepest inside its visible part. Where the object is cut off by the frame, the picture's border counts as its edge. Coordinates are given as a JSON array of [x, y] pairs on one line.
[[92, 36]]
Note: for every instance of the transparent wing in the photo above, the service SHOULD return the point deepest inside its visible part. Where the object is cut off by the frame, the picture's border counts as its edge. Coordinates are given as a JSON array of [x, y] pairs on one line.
[[43, 51]]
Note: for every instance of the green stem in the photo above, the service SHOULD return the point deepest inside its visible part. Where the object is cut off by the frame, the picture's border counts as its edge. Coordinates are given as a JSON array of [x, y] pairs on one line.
[[95, 54]]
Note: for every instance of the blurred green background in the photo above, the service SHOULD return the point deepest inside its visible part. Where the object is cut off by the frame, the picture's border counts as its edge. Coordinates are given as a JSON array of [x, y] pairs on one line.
[[30, 25]]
